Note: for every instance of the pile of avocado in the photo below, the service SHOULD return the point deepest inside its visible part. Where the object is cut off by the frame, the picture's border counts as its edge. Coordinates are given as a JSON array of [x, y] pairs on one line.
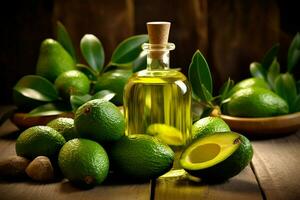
[[269, 92]]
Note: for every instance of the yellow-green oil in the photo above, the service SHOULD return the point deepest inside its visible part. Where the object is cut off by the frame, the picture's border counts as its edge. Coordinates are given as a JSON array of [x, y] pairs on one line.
[[159, 102]]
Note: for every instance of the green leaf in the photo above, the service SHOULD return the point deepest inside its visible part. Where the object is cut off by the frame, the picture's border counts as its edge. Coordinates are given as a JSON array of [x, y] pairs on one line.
[[128, 50], [55, 108], [270, 56], [36, 87], [199, 74], [285, 87], [257, 70], [121, 66], [194, 97], [226, 100], [294, 60], [106, 95], [92, 51], [293, 57], [225, 89], [64, 39], [224, 105], [78, 100], [298, 86], [207, 95], [296, 105], [140, 63], [273, 73], [89, 72]]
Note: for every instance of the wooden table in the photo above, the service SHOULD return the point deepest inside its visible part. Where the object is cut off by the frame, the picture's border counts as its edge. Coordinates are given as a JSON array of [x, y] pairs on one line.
[[274, 173]]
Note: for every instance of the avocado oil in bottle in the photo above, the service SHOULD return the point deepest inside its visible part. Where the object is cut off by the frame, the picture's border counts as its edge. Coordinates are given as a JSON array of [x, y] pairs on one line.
[[157, 100]]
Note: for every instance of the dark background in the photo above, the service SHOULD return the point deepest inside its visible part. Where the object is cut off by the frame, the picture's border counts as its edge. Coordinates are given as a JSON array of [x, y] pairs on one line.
[[230, 33]]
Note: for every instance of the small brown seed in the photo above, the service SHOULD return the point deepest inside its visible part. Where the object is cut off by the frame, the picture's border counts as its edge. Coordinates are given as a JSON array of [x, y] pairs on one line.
[[40, 169], [13, 167]]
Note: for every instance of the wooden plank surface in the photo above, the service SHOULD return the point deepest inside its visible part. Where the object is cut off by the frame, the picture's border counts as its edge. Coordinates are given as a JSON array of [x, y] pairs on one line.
[[277, 166], [243, 186], [28, 190]]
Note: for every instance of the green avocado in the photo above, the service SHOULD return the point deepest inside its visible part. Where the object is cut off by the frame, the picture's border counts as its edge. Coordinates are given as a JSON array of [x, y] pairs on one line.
[[141, 157], [250, 82], [53, 60], [72, 82], [208, 125], [65, 126], [99, 120], [115, 81], [84, 162], [256, 102]]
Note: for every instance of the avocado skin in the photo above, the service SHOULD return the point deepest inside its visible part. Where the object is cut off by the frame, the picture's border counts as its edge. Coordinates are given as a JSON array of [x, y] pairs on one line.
[[53, 60], [141, 157], [228, 168], [256, 102]]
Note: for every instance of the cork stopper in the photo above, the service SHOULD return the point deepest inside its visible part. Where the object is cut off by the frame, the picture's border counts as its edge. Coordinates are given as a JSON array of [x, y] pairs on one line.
[[158, 32]]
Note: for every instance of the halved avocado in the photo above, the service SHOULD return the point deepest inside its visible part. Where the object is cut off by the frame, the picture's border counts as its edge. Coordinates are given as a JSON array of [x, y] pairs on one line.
[[217, 157]]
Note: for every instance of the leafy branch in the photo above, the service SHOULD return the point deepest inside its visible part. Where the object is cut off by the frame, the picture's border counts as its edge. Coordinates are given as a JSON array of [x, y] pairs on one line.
[[267, 69], [41, 93], [202, 85], [283, 84]]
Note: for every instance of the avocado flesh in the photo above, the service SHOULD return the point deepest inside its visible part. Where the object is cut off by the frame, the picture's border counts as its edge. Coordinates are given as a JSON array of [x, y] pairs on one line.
[[217, 157], [209, 151]]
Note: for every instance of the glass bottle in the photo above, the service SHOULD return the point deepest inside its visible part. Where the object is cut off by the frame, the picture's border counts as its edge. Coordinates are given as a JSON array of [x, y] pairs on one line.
[[157, 100]]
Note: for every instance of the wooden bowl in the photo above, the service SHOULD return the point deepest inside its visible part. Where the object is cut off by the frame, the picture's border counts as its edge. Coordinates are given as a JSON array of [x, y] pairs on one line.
[[22, 120], [277, 125]]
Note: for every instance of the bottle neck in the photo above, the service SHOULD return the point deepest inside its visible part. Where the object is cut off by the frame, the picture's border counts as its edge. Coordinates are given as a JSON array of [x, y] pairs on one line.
[[158, 56]]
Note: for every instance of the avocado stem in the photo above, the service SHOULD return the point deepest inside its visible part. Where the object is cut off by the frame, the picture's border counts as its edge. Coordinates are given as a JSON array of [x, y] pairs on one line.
[[88, 180], [87, 110]]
